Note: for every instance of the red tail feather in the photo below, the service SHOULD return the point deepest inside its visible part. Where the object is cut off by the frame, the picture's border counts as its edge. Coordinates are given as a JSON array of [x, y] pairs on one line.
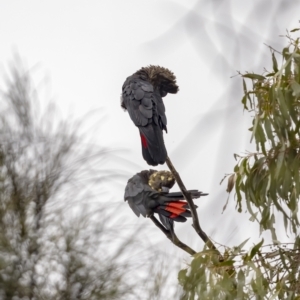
[[176, 208], [173, 216], [144, 141]]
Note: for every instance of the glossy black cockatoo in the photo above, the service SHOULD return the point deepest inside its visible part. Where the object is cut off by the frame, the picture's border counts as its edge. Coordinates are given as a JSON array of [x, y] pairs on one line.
[[147, 193], [142, 95]]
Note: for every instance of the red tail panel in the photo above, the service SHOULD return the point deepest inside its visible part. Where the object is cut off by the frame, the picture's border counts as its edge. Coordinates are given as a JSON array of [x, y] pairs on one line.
[[144, 141], [176, 208], [173, 216]]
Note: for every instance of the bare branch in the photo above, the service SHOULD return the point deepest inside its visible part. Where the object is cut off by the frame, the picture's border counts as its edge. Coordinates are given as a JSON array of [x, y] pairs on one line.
[[190, 201], [173, 237]]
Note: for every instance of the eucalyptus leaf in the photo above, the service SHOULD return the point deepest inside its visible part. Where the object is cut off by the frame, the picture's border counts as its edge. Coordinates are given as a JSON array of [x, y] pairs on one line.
[[275, 65], [231, 181], [296, 88], [280, 159], [242, 244], [254, 76]]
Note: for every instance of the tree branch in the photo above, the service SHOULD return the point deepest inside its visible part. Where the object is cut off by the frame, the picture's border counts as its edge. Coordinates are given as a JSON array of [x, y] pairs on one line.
[[190, 201], [173, 237]]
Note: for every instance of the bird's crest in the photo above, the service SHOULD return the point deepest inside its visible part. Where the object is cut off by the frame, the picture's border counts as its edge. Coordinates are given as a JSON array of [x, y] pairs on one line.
[[160, 77], [160, 179]]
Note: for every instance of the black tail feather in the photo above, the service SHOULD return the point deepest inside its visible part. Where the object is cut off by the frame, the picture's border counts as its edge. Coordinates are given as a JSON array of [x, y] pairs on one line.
[[153, 146], [167, 222], [168, 214], [179, 196]]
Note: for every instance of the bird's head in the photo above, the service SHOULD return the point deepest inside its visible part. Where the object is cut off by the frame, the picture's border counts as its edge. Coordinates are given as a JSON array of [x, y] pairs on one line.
[[161, 181], [161, 78]]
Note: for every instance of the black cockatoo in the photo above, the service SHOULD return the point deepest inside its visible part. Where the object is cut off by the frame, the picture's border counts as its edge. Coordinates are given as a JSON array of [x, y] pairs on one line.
[[142, 95], [147, 193]]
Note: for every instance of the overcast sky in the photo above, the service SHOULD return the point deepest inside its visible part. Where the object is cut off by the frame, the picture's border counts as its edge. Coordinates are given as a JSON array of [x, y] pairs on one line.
[[86, 49]]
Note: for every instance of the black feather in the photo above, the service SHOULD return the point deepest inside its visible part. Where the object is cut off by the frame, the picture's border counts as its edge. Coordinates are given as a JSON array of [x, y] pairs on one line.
[[142, 97]]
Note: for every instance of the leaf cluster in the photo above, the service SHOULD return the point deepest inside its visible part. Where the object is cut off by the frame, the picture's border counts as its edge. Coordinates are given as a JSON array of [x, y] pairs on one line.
[[267, 183], [263, 272], [268, 180]]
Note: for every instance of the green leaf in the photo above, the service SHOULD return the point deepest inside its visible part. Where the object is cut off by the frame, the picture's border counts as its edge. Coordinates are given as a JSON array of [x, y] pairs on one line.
[[225, 205], [244, 102], [271, 95], [296, 89], [285, 222], [290, 101], [268, 129], [248, 203], [255, 249], [236, 156], [182, 276], [280, 160], [239, 199], [275, 65], [244, 86], [270, 74], [254, 76], [226, 263], [287, 183], [265, 217], [295, 29], [241, 245], [254, 217], [293, 205], [285, 51], [283, 106], [288, 57], [260, 137], [241, 284], [296, 175], [244, 163], [230, 184], [256, 120]]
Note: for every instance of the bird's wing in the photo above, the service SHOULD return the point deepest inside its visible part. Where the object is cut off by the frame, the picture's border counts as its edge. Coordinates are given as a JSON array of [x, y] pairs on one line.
[[134, 194], [138, 98], [162, 119], [134, 187], [137, 206]]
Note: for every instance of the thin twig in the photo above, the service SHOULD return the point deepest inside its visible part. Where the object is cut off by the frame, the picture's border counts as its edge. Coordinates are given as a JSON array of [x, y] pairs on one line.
[[190, 201], [173, 237]]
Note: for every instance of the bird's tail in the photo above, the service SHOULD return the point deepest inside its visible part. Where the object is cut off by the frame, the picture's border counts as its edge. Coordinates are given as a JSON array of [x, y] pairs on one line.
[[179, 196], [175, 210], [173, 207], [153, 146]]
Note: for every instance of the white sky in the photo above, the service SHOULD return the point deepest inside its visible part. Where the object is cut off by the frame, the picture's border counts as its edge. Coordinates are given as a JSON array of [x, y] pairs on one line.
[[88, 48]]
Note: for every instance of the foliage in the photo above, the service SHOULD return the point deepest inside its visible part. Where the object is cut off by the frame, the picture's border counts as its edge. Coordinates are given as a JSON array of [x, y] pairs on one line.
[[264, 272], [269, 178], [266, 182]]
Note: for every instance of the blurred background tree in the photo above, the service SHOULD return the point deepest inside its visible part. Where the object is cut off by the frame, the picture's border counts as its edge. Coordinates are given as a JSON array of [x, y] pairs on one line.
[[267, 183], [52, 244]]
